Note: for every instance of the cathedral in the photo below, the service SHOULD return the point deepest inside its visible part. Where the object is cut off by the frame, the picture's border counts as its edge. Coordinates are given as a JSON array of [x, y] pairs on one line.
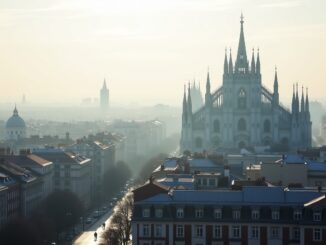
[[243, 112]]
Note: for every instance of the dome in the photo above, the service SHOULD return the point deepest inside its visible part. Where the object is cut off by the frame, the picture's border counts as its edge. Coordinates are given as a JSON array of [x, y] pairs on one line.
[[15, 121]]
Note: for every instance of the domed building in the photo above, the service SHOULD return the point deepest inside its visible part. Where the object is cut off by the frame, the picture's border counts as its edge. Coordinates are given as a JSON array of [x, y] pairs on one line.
[[15, 127]]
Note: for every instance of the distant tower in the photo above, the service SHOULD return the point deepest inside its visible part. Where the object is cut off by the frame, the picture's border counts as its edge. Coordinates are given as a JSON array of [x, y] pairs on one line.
[[104, 97]]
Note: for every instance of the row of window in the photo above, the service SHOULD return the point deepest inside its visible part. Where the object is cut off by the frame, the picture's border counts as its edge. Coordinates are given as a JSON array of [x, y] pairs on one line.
[[242, 126], [236, 214], [274, 232]]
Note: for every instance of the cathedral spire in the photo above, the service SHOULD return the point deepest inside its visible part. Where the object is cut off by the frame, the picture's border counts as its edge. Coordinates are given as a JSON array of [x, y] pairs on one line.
[[258, 63], [189, 101], [302, 101], [253, 66], [293, 100], [276, 95], [226, 67], [307, 101], [241, 63], [230, 63], [184, 104], [208, 90]]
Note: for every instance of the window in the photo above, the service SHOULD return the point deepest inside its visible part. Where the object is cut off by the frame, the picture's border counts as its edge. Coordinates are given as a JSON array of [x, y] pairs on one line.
[[317, 216], [242, 100], [242, 126], [158, 230], [158, 213], [146, 230], [296, 233], [255, 214], [235, 231], [199, 213], [179, 212], [199, 231], [254, 232], [146, 212], [217, 232], [275, 215], [218, 213], [180, 231], [275, 232], [297, 215], [317, 234], [204, 181], [211, 182], [236, 214]]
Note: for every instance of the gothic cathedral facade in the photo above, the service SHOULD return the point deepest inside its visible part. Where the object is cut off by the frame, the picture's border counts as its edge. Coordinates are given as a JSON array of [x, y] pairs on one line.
[[243, 112]]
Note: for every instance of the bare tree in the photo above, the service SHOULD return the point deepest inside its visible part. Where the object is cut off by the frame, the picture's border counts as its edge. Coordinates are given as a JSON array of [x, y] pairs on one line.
[[119, 229]]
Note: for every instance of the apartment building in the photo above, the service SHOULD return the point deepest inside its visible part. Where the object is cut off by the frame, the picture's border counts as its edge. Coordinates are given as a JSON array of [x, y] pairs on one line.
[[252, 215]]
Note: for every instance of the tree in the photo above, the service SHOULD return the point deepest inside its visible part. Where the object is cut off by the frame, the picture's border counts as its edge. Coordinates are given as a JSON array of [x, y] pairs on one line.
[[20, 231], [64, 208], [119, 229], [115, 177]]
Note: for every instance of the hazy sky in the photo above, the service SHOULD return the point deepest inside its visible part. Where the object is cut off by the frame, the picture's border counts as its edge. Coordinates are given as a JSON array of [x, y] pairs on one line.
[[57, 51]]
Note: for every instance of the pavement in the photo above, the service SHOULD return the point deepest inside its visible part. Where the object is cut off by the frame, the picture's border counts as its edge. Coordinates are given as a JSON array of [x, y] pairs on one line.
[[87, 237]]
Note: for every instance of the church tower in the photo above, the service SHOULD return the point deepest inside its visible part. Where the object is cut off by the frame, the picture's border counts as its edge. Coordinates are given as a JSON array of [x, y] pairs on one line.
[[104, 97]]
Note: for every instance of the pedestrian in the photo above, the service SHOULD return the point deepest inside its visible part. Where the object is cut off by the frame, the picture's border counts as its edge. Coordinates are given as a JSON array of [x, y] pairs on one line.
[[95, 236]]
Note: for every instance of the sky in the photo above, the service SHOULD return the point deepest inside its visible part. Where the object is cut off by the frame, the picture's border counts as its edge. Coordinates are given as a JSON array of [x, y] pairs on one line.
[[56, 51]]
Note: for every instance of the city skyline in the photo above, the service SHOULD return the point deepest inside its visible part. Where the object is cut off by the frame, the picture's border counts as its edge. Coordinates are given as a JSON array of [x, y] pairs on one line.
[[147, 51]]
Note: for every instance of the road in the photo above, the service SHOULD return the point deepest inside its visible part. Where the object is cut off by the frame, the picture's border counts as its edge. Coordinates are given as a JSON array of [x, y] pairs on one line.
[[87, 237]]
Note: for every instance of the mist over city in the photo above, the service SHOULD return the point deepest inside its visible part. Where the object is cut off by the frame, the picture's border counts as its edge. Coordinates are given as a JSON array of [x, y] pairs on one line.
[[162, 122]]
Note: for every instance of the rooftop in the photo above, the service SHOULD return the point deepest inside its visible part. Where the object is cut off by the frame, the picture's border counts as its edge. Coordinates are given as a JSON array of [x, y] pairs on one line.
[[249, 195]]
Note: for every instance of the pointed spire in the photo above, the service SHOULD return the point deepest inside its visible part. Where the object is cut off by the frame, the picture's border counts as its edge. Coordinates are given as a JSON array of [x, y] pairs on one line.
[[184, 104], [253, 66], [208, 84], [307, 101], [15, 111], [226, 67], [302, 101], [297, 99], [241, 61], [104, 84], [293, 99], [258, 63], [275, 81], [230, 63], [184, 95]]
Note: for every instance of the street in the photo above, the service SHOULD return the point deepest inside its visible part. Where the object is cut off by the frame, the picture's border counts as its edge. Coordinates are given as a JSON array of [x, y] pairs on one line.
[[87, 237]]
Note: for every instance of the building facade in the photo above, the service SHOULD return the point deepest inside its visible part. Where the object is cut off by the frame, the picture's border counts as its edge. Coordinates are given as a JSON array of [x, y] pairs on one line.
[[243, 112], [71, 172], [193, 217]]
